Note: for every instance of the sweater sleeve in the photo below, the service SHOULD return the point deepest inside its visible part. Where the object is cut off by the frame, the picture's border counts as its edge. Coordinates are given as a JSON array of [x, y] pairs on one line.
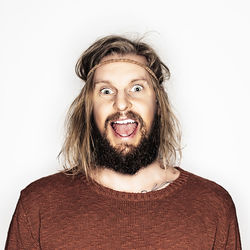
[[20, 234], [228, 235], [233, 235]]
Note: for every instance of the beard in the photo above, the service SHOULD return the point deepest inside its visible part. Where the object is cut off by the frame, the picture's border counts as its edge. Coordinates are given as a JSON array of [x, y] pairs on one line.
[[127, 158]]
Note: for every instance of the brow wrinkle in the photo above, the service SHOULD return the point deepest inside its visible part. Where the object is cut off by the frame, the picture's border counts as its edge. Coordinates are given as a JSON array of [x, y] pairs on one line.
[[109, 82]]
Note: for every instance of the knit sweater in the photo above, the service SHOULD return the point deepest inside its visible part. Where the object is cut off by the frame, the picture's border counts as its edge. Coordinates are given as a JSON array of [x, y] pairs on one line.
[[62, 212]]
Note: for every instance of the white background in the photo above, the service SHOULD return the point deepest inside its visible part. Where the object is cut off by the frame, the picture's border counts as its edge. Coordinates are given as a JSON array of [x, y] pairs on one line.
[[204, 43]]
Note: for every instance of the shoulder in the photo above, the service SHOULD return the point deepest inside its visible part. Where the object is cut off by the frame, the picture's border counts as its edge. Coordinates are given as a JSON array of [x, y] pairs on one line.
[[51, 187], [51, 182], [209, 193]]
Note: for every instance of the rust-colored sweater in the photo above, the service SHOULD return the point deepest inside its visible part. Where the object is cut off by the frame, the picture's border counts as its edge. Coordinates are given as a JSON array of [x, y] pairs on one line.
[[58, 212]]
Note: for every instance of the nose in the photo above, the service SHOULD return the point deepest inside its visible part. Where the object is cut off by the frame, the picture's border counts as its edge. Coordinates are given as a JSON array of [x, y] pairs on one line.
[[122, 102]]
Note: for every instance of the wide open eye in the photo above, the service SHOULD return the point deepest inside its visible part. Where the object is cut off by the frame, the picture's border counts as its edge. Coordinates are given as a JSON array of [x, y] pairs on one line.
[[107, 91], [137, 88]]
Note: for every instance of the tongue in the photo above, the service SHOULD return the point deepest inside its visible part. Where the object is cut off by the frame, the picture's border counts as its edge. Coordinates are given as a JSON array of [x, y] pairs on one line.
[[124, 129]]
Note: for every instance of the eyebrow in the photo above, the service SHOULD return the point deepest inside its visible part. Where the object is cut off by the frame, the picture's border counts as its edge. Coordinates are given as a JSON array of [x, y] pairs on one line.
[[109, 82]]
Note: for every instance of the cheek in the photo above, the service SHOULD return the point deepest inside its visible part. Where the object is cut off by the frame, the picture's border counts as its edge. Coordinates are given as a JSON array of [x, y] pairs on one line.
[[100, 112], [147, 111]]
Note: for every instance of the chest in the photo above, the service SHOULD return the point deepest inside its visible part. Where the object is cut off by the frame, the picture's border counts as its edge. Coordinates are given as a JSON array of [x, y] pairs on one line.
[[118, 225]]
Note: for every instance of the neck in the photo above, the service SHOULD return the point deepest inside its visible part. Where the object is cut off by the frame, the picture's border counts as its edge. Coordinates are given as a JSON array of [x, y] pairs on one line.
[[151, 178]]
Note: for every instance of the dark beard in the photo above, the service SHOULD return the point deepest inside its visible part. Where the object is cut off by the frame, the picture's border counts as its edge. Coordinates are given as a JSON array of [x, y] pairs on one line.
[[137, 157]]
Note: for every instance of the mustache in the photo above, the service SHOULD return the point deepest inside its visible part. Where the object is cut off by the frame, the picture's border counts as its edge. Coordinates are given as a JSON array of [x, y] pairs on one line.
[[130, 115]]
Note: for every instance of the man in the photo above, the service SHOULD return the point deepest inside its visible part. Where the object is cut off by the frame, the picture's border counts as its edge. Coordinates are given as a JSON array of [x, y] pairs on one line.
[[121, 188]]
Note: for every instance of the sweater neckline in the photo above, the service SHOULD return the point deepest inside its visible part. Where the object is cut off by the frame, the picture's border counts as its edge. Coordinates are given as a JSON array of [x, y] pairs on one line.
[[152, 195]]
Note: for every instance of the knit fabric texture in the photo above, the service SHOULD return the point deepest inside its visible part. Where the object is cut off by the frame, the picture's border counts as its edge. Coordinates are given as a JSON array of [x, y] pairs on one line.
[[65, 212]]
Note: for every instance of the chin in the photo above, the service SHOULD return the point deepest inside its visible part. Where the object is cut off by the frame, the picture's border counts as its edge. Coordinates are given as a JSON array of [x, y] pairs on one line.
[[124, 148]]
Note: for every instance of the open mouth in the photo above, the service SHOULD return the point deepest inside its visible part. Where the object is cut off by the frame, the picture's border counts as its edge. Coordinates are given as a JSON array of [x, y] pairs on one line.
[[124, 128]]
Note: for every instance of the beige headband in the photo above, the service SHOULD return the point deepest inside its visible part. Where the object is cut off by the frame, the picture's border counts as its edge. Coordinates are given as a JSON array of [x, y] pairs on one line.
[[123, 60]]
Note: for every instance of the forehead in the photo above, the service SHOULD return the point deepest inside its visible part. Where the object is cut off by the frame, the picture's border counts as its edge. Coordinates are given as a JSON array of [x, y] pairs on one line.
[[121, 70]]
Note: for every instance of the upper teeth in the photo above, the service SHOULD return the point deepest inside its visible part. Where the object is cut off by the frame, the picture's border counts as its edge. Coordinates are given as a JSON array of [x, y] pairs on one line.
[[125, 121]]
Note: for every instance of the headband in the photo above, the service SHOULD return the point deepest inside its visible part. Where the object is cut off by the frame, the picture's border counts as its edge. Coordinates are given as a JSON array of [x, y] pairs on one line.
[[124, 60]]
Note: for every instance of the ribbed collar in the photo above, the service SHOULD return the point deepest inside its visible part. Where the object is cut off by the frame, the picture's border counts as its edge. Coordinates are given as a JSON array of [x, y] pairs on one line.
[[153, 195]]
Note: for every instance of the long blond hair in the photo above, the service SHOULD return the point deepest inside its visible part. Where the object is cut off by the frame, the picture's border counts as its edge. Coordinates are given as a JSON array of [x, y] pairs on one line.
[[77, 150]]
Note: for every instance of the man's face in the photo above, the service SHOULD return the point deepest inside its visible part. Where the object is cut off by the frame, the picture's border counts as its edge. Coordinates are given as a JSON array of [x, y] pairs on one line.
[[124, 102]]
